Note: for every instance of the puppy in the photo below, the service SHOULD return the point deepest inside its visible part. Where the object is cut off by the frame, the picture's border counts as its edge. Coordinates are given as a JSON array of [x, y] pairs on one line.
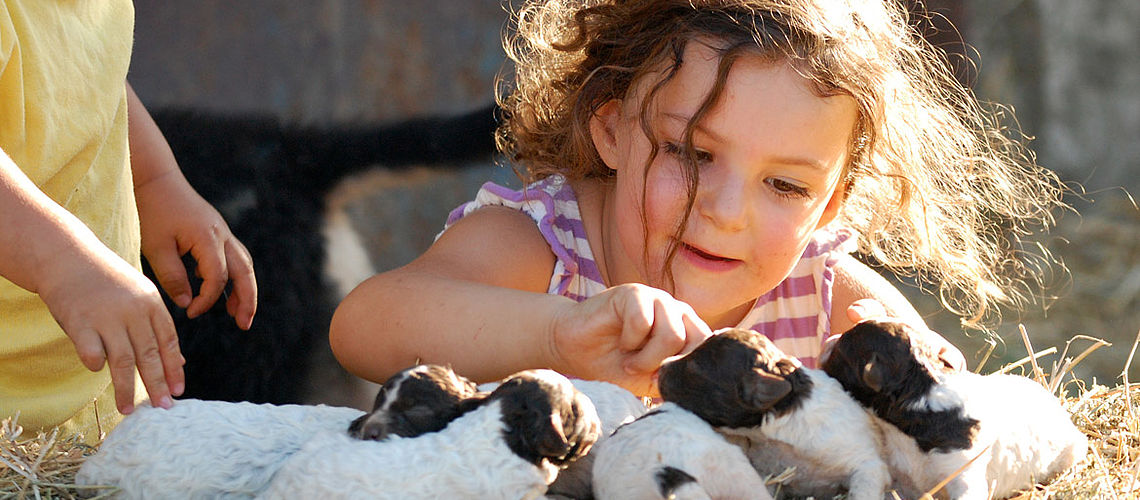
[[670, 453], [511, 445], [415, 401], [935, 420], [781, 413]]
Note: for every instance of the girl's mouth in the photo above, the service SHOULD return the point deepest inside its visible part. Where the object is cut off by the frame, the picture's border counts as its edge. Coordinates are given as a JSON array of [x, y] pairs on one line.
[[707, 260]]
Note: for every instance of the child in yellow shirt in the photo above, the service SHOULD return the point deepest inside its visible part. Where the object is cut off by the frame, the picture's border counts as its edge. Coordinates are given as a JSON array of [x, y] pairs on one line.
[[87, 182]]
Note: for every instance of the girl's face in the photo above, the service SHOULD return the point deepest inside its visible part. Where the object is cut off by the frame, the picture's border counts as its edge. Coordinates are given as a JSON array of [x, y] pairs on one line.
[[770, 157]]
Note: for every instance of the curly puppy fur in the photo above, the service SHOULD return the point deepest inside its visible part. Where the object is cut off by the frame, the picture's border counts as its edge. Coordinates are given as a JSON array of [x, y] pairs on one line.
[[415, 401], [783, 414], [269, 181], [511, 446], [670, 453], [936, 421], [205, 449]]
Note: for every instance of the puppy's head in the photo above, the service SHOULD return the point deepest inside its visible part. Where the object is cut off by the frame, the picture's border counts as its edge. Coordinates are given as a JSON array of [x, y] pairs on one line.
[[546, 418], [418, 400], [735, 379], [877, 360], [880, 365]]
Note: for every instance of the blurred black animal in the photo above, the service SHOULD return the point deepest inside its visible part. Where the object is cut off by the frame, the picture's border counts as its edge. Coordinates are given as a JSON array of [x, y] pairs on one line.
[[269, 181]]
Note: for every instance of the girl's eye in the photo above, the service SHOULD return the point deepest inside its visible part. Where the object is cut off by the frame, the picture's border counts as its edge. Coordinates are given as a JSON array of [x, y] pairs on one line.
[[788, 189], [680, 152]]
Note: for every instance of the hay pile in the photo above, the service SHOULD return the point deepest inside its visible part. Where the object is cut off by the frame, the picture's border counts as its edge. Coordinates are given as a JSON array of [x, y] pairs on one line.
[[44, 466]]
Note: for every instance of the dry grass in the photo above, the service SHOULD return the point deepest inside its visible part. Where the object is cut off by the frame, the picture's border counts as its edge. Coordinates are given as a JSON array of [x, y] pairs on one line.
[[44, 466]]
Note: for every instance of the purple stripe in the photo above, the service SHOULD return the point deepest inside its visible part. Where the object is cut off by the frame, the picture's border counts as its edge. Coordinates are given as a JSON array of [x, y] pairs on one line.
[[801, 327], [456, 214], [572, 226], [796, 286]]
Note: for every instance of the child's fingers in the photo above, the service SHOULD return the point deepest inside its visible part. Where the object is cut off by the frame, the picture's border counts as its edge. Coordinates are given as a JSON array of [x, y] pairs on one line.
[[636, 311], [696, 332], [242, 302], [148, 357], [172, 359], [89, 347], [865, 309], [171, 274], [212, 269], [121, 362], [666, 338]]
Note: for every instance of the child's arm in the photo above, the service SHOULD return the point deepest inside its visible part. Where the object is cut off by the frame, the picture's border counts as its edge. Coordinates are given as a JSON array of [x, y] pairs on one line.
[[477, 300], [176, 220], [108, 309], [861, 293]]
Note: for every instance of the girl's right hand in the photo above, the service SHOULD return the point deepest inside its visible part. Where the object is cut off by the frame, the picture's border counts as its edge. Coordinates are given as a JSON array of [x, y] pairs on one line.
[[113, 313], [623, 334]]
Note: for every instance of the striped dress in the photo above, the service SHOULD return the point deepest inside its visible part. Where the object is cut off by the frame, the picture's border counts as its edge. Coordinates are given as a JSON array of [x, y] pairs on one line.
[[796, 315]]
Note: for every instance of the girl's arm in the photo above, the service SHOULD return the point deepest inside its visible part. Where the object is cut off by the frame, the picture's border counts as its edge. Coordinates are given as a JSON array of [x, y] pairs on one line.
[[108, 309], [861, 293], [477, 300], [175, 220]]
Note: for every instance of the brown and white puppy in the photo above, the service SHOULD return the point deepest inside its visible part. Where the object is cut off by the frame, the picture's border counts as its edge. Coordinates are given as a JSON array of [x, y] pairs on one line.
[[511, 445], [781, 413], [417, 400], [935, 421]]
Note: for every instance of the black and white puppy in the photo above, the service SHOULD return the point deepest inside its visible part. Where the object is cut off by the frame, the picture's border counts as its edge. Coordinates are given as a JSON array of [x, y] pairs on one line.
[[937, 420], [512, 445], [417, 400], [670, 453], [781, 413]]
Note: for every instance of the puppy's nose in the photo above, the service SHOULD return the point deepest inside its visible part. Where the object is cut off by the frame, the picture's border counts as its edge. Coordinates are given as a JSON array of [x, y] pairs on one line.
[[374, 431]]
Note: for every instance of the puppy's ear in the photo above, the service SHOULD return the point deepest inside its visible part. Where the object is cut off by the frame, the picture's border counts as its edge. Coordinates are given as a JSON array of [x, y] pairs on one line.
[[874, 373], [762, 390]]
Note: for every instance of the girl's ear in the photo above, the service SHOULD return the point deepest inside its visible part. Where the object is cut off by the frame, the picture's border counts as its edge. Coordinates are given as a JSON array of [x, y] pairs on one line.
[[833, 205], [603, 131]]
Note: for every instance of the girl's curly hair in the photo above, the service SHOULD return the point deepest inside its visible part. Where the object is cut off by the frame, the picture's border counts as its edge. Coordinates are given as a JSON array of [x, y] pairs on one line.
[[935, 186]]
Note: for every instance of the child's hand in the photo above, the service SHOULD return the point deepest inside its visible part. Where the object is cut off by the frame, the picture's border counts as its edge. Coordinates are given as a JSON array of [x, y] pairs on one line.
[[623, 334], [112, 312], [865, 309], [176, 220]]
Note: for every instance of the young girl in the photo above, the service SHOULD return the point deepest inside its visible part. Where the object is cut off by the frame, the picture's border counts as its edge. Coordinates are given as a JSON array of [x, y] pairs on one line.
[[699, 164]]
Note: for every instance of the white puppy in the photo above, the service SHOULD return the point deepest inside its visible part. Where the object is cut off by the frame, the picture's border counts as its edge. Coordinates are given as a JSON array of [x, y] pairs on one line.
[[783, 414], [936, 420], [511, 446], [206, 449], [672, 453]]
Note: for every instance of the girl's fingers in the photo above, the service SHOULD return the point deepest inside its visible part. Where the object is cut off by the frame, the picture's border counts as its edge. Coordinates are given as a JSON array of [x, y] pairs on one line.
[[172, 359], [148, 357], [89, 347], [212, 268], [696, 332], [121, 362], [666, 338], [637, 314], [171, 274], [865, 309], [242, 302]]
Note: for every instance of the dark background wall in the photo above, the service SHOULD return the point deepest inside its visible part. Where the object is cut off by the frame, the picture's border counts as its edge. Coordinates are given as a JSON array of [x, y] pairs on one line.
[[1070, 70]]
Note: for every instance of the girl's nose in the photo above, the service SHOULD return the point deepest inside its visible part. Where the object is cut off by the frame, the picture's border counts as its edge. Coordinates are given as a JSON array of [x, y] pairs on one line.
[[722, 201]]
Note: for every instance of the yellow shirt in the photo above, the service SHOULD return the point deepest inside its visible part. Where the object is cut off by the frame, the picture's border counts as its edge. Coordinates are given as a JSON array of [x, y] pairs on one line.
[[63, 120]]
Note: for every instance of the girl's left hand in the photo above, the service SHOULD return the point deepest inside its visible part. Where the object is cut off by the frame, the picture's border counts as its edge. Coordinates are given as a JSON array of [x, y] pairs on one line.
[[865, 309], [176, 220]]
